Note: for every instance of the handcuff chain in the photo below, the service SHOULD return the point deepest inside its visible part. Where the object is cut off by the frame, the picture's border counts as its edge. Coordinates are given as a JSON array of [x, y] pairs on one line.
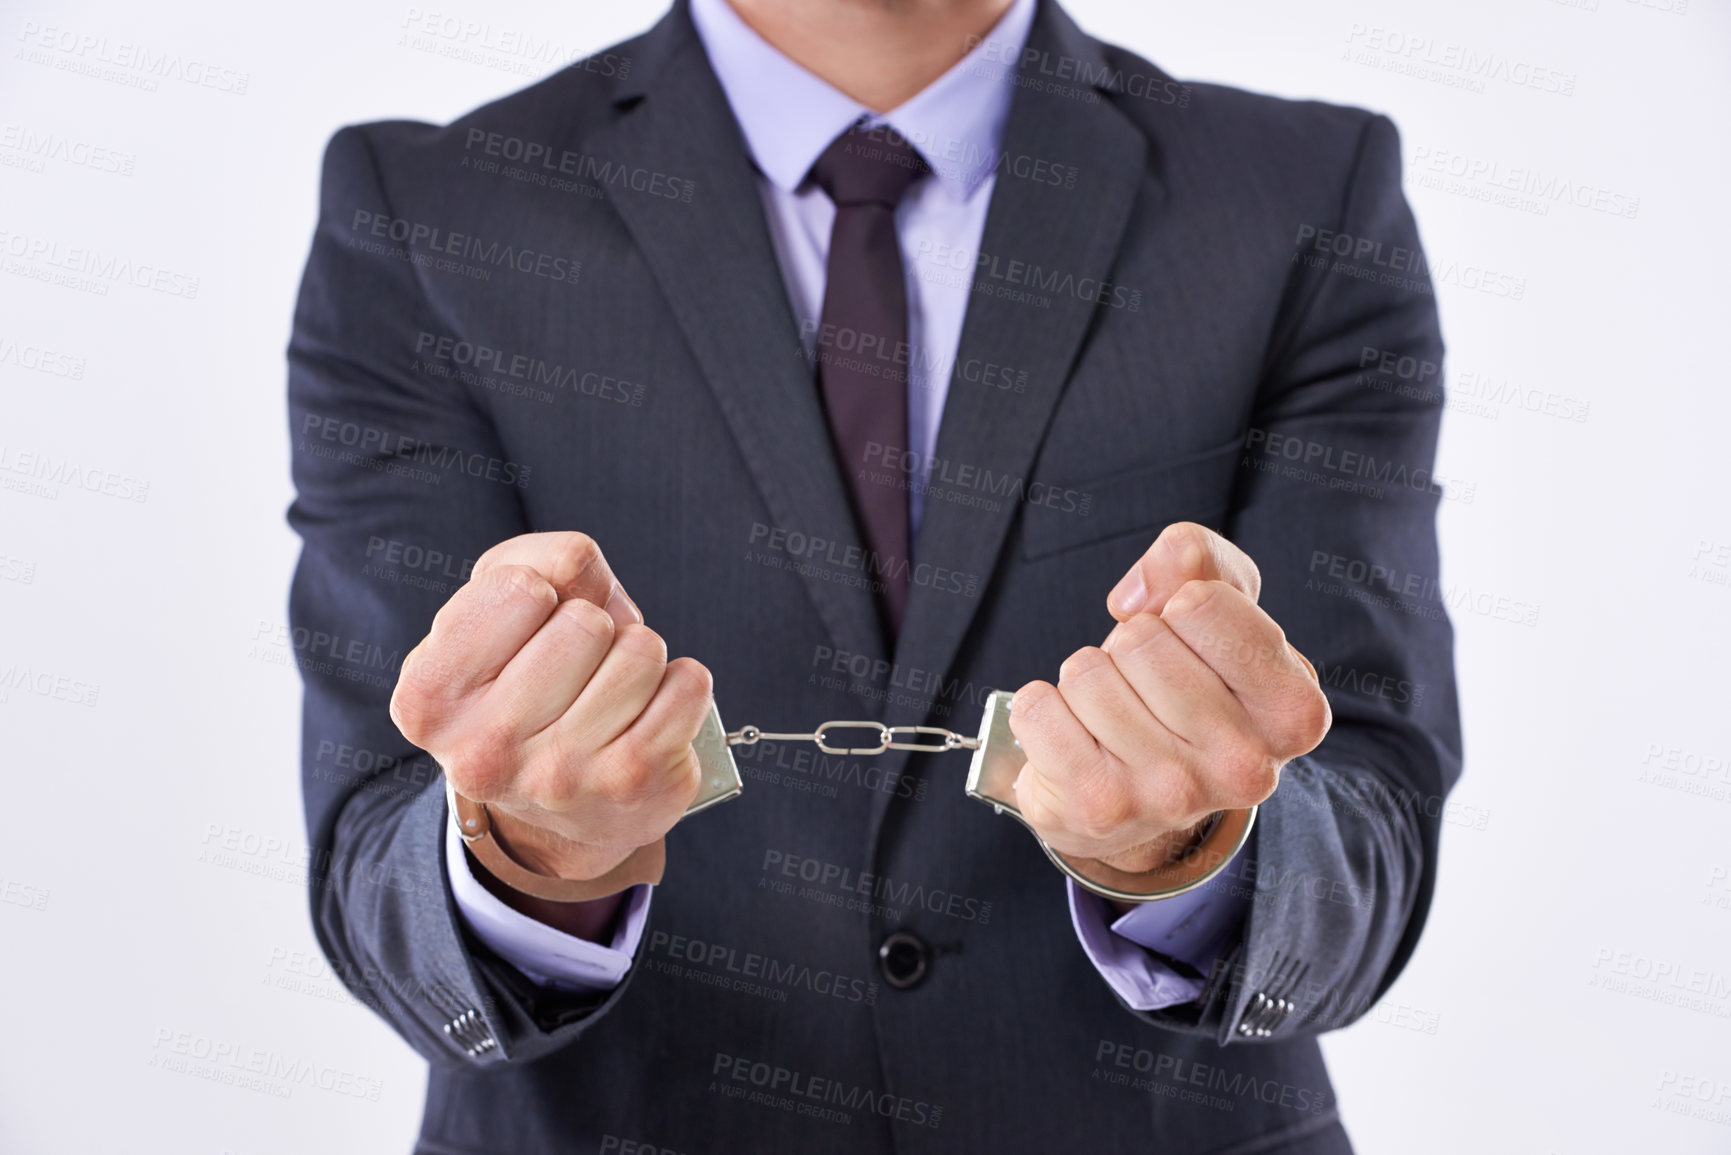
[[751, 735]]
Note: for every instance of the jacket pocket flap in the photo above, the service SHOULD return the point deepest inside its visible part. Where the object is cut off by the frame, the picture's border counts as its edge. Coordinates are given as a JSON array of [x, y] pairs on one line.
[[1193, 488]]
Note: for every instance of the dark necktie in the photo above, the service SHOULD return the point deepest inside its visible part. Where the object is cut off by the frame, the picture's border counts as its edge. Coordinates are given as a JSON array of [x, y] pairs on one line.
[[862, 345]]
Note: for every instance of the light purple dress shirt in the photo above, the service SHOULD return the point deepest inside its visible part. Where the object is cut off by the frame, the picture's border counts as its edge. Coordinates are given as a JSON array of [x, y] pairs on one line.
[[789, 117]]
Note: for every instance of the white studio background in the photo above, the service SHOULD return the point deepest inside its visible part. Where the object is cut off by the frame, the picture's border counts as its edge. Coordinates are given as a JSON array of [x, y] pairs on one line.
[[1573, 990]]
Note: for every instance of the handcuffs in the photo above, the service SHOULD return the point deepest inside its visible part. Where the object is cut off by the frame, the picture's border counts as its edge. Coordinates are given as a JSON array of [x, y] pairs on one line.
[[997, 760]]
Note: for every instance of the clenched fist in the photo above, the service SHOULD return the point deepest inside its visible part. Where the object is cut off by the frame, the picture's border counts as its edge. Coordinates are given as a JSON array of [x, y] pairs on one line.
[[1191, 705], [542, 693]]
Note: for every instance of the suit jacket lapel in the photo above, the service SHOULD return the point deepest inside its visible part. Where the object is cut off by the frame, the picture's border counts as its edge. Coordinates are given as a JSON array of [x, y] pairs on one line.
[[715, 263], [1066, 240]]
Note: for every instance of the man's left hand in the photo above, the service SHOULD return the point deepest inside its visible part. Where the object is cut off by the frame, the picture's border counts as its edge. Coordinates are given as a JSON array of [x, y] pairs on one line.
[[1191, 705]]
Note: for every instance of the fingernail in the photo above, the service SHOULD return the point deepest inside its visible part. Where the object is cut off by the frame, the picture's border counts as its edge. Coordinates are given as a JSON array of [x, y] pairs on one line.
[[621, 608], [1130, 594], [1111, 639]]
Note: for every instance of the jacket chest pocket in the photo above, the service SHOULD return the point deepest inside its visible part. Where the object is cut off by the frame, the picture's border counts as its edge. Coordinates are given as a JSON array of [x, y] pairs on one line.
[[1195, 488]]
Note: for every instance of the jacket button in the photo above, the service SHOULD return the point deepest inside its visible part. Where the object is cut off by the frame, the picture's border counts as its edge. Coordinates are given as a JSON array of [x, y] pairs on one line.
[[903, 959]]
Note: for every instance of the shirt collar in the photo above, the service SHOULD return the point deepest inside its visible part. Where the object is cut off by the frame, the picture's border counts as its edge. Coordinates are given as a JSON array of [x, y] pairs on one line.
[[789, 116]]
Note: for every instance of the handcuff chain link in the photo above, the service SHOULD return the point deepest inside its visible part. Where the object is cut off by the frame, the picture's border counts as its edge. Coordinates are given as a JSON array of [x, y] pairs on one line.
[[751, 735]]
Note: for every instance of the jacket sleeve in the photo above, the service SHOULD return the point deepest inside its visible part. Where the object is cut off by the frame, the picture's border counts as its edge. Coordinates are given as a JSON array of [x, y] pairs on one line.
[[400, 484], [1336, 501]]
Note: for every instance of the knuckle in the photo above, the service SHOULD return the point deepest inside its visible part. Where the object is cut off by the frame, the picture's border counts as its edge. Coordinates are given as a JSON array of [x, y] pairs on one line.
[[519, 582], [1188, 533], [478, 764], [1309, 719], [1102, 813], [409, 713], [1190, 599], [415, 702], [1081, 663], [627, 777], [639, 643], [1144, 631], [1187, 543], [690, 683], [573, 553], [491, 556], [1036, 811], [1028, 711], [1249, 773]]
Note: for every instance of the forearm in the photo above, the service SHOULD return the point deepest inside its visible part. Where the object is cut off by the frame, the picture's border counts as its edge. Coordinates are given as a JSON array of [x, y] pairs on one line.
[[1339, 884], [593, 921]]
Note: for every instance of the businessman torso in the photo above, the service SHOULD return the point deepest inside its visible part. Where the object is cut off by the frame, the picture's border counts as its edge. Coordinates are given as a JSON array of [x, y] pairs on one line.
[[574, 320]]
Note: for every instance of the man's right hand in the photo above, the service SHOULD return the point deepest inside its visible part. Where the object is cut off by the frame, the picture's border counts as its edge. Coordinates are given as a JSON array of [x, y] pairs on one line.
[[542, 694]]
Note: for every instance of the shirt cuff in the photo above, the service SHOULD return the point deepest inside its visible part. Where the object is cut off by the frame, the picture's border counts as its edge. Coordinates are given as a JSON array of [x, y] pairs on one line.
[[1193, 928], [549, 957]]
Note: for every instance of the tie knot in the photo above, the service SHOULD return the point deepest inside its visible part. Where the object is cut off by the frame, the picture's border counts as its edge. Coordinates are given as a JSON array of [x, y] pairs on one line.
[[873, 166]]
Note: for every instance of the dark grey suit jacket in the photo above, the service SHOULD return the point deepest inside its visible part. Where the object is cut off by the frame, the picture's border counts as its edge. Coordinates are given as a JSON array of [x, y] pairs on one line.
[[564, 312]]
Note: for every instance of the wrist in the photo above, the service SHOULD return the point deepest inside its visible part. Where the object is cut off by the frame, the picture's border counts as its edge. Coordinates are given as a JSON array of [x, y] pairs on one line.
[[549, 853], [475, 824], [1164, 850]]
